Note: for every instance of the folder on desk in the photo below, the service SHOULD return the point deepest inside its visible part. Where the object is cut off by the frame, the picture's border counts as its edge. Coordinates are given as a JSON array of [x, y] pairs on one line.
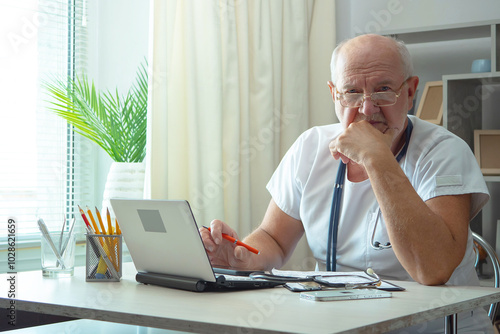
[[167, 250]]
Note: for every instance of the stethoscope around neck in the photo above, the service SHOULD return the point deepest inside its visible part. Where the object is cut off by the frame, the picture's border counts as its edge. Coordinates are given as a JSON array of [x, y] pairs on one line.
[[331, 251]]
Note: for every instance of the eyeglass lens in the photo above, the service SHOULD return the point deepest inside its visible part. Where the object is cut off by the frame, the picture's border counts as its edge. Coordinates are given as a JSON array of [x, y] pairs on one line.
[[378, 99]]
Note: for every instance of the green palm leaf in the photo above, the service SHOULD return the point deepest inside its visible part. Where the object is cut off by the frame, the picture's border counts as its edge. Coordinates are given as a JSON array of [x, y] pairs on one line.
[[116, 123]]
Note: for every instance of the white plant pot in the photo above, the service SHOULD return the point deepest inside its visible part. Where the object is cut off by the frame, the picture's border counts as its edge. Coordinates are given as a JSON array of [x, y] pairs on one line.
[[125, 180]]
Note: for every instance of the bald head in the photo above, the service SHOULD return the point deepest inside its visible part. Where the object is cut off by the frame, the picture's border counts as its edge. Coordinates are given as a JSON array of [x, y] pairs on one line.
[[371, 48]]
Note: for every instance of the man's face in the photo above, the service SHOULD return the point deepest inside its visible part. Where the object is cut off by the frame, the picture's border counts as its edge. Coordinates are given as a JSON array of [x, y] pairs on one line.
[[359, 70]]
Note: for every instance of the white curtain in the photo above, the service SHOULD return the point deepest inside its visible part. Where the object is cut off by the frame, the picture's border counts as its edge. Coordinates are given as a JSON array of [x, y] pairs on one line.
[[233, 84]]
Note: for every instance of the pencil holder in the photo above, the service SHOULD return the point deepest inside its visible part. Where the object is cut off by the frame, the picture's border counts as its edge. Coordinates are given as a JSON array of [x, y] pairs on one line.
[[103, 258]]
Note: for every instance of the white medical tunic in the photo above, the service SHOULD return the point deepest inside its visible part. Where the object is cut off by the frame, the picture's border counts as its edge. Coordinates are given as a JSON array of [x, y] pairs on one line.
[[437, 163]]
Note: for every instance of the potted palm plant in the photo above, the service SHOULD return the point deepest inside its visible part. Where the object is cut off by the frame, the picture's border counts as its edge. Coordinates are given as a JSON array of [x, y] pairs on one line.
[[116, 123]]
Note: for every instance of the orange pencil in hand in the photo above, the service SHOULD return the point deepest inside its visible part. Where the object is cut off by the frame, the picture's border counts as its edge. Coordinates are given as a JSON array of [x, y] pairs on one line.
[[237, 242]]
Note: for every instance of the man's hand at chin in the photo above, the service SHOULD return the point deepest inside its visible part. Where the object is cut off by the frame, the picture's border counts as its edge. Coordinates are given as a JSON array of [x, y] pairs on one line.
[[361, 139]]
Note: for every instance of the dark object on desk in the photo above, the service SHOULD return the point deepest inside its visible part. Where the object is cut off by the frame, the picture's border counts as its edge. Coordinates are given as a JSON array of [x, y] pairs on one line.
[[303, 286], [198, 285]]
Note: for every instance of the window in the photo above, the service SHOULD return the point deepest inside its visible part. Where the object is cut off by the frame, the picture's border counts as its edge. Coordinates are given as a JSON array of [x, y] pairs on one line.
[[43, 170]]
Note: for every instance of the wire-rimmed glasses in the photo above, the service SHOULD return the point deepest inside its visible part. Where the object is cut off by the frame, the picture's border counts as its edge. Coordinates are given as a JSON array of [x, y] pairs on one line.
[[379, 99]]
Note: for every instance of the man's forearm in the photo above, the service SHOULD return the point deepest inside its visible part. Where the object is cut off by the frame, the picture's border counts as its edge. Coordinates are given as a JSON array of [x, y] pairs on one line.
[[271, 255], [427, 246]]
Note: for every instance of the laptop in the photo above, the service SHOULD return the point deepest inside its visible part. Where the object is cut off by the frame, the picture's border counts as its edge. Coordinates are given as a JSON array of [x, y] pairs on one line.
[[167, 250]]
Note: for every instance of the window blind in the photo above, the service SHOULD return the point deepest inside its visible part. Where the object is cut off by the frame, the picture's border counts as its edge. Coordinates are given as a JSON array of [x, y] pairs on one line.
[[45, 167]]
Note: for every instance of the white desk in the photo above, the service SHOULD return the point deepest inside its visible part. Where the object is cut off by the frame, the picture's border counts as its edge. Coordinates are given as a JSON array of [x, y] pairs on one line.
[[258, 311]]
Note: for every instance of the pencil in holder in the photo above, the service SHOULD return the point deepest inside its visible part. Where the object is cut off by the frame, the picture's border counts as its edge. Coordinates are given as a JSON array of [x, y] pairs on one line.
[[103, 258]]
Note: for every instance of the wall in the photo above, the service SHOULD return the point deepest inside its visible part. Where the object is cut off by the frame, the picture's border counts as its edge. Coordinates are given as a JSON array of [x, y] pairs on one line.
[[118, 43]]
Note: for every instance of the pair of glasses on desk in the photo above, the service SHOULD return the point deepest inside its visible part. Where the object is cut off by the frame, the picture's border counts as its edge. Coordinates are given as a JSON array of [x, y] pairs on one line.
[[345, 281]]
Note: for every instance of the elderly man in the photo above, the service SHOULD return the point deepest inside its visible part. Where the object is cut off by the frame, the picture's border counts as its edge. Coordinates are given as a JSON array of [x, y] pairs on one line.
[[381, 189]]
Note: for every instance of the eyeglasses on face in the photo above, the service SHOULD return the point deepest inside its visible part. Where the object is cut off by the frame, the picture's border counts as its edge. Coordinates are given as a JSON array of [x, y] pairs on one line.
[[379, 99]]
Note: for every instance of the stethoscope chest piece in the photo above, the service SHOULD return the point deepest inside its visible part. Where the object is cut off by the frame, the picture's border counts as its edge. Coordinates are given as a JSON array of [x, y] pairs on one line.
[[376, 244]]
